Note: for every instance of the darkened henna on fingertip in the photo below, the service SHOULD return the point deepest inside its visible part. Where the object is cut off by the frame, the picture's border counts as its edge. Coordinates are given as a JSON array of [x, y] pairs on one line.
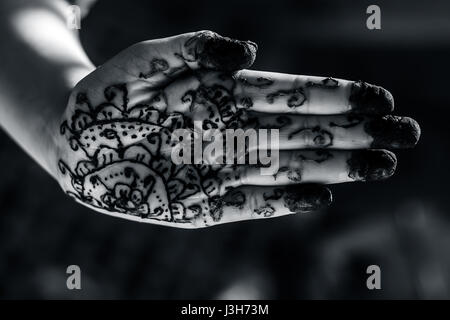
[[370, 165], [221, 53], [307, 198], [392, 131], [370, 99]]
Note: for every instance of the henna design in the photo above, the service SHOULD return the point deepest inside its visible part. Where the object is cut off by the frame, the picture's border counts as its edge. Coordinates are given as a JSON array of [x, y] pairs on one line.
[[266, 211], [296, 97], [261, 82], [295, 174], [320, 137], [121, 149], [327, 83], [353, 121], [280, 122], [276, 195], [235, 199], [125, 168], [247, 102], [156, 66]]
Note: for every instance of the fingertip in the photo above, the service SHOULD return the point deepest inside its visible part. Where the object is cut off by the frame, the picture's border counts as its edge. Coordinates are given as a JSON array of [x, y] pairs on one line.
[[415, 129], [222, 53], [307, 198], [367, 98], [392, 131], [371, 165]]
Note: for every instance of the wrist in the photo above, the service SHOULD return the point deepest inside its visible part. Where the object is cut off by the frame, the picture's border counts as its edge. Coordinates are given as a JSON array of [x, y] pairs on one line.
[[43, 62]]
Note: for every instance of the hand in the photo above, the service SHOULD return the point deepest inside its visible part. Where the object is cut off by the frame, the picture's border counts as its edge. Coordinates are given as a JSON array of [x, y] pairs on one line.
[[116, 140]]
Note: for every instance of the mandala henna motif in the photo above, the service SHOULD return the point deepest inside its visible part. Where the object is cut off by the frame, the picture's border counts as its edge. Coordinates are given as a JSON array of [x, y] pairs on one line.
[[121, 171], [126, 165]]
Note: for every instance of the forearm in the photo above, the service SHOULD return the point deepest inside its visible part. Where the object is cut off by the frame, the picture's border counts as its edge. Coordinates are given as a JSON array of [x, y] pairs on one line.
[[40, 63]]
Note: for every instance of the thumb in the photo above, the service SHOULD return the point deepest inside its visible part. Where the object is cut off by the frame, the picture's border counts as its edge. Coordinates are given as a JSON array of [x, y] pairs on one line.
[[207, 49], [163, 59]]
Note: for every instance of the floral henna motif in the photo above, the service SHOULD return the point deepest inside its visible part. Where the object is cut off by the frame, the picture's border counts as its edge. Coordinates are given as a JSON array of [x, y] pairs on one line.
[[126, 165], [123, 169], [296, 97], [156, 66], [327, 83]]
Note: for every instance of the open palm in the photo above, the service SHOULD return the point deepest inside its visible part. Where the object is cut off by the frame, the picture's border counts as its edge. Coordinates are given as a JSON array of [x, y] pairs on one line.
[[116, 137]]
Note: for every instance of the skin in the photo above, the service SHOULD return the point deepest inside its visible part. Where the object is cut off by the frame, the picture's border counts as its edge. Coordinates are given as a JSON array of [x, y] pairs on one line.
[[110, 148]]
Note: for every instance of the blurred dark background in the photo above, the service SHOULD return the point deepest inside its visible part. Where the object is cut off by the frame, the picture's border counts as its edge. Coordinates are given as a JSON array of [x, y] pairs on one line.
[[402, 224]]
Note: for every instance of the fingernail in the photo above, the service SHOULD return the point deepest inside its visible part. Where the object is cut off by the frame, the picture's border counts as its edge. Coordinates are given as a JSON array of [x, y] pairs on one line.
[[307, 198], [371, 165], [253, 45], [367, 98], [227, 54], [391, 131]]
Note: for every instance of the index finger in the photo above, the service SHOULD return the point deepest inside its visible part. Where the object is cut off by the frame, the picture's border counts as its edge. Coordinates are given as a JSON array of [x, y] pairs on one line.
[[271, 92]]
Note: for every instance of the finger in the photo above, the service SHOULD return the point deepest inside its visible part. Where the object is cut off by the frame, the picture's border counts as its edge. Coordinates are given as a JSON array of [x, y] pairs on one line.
[[286, 93], [320, 166], [161, 60], [248, 203], [340, 132]]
